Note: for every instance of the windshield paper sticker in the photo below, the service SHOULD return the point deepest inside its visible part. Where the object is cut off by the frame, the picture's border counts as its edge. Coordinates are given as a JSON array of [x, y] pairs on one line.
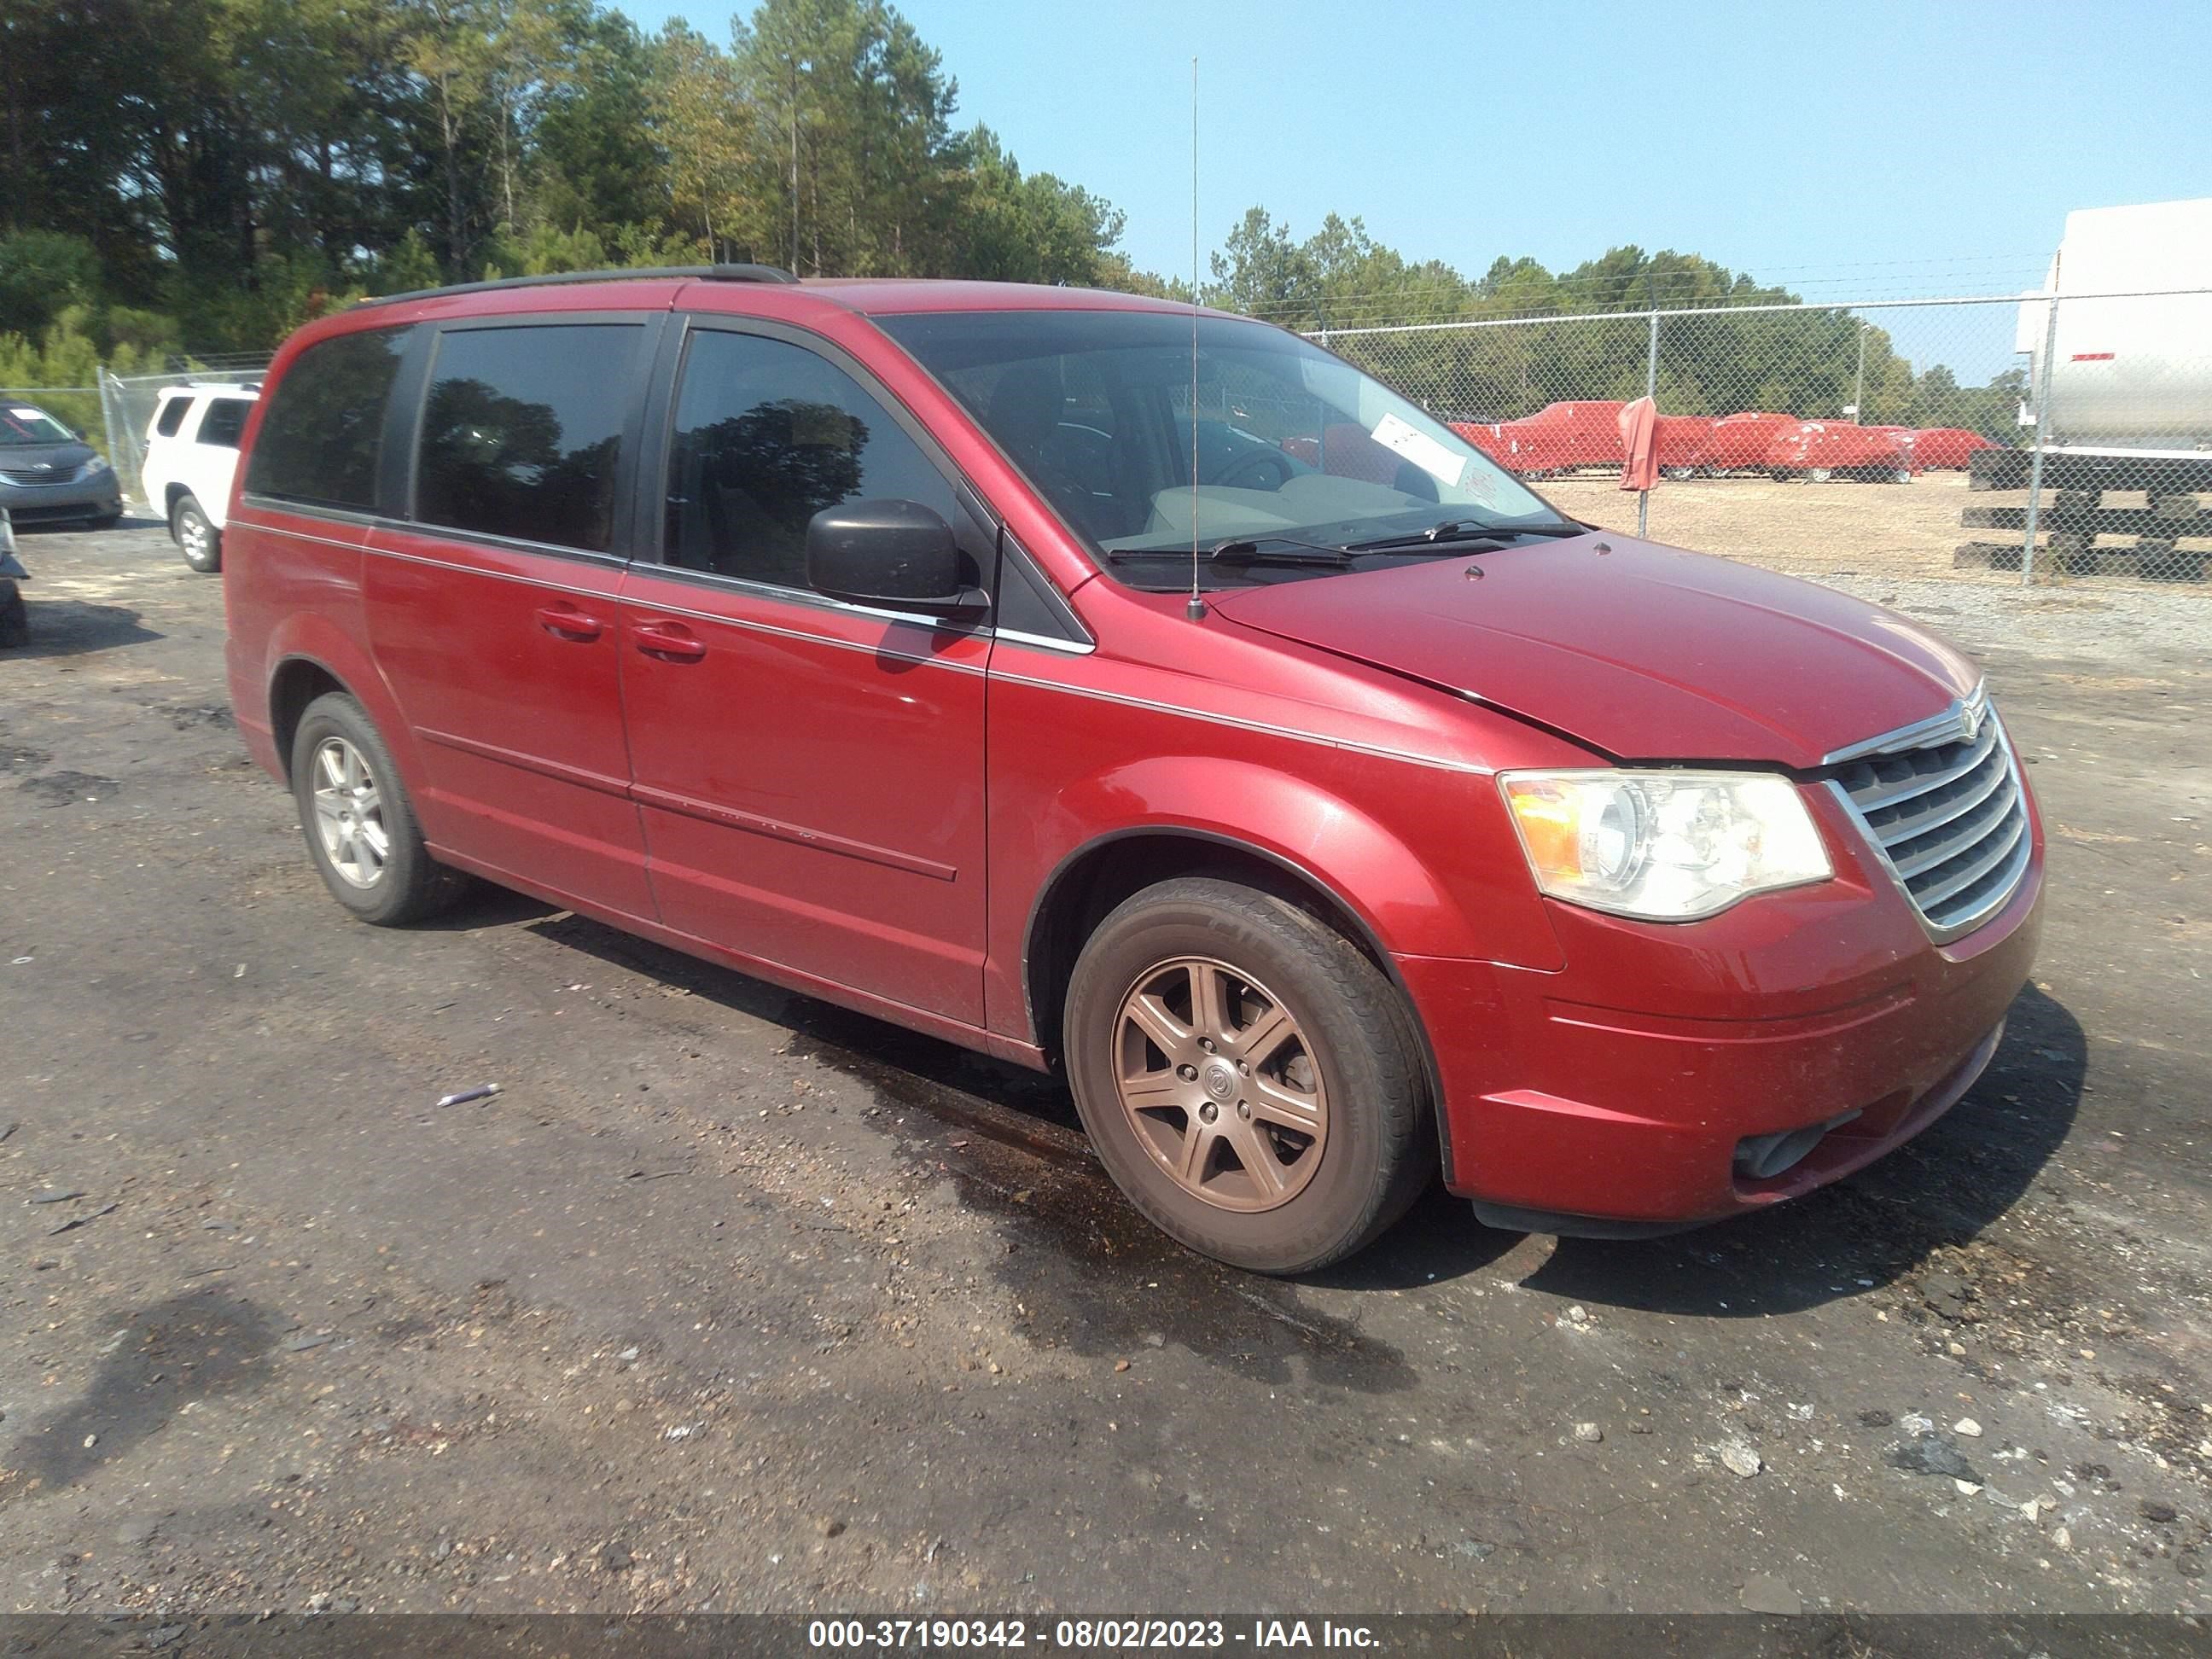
[[28, 414], [1423, 451]]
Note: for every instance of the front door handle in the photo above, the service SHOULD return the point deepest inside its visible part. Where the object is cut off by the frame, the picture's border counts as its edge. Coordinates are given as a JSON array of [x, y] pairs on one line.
[[566, 622], [671, 641]]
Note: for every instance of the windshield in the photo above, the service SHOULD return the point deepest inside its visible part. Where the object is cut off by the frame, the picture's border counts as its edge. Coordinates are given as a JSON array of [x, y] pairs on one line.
[[1294, 444], [22, 424]]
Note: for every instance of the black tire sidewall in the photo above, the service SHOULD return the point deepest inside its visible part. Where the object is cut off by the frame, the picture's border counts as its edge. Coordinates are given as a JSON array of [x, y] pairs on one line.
[[406, 888], [1338, 998], [191, 505]]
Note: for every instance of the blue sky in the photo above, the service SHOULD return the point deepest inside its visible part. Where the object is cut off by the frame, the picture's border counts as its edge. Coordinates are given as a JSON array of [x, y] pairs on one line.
[[1926, 148], [1844, 148]]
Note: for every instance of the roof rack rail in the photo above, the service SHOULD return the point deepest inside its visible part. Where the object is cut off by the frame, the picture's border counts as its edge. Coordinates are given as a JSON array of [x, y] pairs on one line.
[[702, 273]]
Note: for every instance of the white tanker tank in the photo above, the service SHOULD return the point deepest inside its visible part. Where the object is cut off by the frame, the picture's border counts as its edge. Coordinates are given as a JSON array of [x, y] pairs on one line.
[[2129, 375]]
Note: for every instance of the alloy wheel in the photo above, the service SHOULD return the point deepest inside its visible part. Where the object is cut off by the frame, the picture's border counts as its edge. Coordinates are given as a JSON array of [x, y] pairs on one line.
[[1221, 1084], [350, 813]]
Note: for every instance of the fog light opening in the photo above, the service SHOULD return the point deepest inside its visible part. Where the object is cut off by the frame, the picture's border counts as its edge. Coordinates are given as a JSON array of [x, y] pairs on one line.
[[1762, 1158]]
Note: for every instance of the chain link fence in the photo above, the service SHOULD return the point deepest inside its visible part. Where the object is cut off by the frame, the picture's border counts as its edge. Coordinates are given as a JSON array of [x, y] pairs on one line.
[[127, 404], [1897, 437]]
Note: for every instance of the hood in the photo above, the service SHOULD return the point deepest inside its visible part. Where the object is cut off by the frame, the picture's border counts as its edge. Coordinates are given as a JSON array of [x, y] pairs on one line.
[[1645, 651], [60, 460]]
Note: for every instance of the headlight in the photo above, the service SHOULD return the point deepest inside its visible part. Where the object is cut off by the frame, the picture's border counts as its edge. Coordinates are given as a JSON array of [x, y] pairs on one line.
[[1665, 846], [93, 468]]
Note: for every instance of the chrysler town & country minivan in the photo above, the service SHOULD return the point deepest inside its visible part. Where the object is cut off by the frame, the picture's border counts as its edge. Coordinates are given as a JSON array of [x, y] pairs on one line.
[[1144, 694]]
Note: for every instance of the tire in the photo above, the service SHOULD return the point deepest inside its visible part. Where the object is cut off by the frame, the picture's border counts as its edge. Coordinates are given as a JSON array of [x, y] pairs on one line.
[[337, 749], [1348, 1063], [15, 616], [1818, 475], [196, 535]]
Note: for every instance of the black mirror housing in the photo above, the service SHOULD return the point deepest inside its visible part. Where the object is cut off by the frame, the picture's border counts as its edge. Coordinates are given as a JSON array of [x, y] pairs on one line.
[[898, 554]]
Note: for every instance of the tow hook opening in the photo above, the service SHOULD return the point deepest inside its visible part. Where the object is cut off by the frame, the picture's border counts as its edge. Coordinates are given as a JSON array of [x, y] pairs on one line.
[[1762, 1158]]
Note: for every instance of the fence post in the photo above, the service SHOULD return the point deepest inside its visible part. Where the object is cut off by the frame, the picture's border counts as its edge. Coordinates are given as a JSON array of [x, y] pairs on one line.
[[2042, 426], [1650, 390], [107, 418]]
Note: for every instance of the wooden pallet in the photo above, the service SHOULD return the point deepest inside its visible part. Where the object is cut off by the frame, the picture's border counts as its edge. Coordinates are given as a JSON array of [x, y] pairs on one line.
[[2078, 529]]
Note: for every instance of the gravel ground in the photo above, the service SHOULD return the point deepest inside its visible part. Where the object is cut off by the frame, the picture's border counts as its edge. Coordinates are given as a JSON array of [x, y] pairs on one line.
[[732, 1301]]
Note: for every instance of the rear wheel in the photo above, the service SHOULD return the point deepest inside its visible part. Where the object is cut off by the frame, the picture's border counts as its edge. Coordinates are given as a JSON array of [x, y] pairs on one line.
[[1247, 1076], [360, 826], [15, 615], [196, 535]]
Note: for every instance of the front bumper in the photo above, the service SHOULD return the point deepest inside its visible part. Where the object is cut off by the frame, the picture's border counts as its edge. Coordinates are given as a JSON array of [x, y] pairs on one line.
[[1612, 1097], [96, 497]]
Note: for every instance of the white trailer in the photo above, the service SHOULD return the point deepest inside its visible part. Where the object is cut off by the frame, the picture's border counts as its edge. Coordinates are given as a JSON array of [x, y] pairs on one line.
[[2119, 345], [2130, 368]]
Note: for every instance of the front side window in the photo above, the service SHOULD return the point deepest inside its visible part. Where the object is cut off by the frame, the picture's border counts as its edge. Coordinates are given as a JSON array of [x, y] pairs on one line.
[[224, 421], [1293, 444], [767, 435], [323, 438], [522, 432]]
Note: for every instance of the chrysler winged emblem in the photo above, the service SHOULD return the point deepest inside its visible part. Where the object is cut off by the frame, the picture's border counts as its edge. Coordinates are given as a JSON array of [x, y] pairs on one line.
[[1970, 722]]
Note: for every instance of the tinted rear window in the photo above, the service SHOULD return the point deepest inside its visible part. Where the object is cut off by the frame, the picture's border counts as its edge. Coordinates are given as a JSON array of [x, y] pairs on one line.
[[172, 415], [522, 431], [224, 420], [323, 437]]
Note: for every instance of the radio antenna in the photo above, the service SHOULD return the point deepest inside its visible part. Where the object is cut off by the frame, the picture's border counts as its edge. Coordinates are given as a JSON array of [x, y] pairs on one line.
[[1195, 609]]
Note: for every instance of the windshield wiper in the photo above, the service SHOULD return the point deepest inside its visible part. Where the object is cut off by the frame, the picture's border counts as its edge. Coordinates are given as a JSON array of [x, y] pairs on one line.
[[1244, 549], [1457, 532]]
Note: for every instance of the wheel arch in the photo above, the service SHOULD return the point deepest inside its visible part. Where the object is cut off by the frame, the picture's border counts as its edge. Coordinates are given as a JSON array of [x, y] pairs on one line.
[[296, 683], [1092, 880], [311, 654]]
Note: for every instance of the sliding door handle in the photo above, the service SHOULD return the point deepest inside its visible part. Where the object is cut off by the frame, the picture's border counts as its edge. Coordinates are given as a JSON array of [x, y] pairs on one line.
[[670, 641], [566, 622]]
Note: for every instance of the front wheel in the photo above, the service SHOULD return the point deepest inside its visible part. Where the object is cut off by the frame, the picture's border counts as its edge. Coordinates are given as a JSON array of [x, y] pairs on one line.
[[359, 823], [1247, 1075], [196, 535]]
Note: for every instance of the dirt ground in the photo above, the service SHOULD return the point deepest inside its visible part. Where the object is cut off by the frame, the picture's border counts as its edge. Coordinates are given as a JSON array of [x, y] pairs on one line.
[[1816, 529], [732, 1301]]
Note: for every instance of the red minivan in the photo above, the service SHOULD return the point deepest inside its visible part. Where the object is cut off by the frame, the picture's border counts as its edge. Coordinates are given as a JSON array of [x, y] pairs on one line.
[[1142, 693]]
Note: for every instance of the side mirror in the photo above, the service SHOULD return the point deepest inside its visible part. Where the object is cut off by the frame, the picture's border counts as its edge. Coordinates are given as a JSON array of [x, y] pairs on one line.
[[897, 554]]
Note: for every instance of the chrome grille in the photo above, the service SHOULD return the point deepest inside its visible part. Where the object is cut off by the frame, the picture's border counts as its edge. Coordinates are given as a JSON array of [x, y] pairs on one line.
[[51, 476], [1943, 802]]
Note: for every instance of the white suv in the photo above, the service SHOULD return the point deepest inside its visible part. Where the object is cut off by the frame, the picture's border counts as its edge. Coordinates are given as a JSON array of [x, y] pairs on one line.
[[191, 453]]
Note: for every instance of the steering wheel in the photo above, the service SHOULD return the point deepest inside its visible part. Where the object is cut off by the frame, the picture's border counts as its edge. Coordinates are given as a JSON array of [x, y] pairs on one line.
[[1263, 469]]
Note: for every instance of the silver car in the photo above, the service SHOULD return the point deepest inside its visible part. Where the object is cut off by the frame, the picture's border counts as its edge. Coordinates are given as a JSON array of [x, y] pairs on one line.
[[49, 473]]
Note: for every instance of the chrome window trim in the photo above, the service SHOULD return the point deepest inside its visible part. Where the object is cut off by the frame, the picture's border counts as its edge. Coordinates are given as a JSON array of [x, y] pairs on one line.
[[1045, 642], [810, 598], [569, 556]]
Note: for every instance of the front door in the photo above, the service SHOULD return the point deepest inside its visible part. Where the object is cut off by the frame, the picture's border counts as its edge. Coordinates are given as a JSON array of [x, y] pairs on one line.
[[494, 611], [810, 772]]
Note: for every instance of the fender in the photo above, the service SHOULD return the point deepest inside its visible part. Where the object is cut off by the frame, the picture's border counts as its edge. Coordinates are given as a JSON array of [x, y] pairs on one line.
[[1405, 907], [306, 636], [1398, 905]]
